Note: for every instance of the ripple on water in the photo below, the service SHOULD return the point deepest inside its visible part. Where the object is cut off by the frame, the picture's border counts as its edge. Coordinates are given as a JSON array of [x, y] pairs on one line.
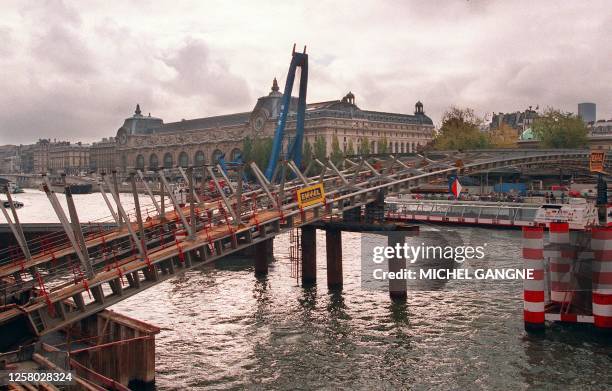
[[222, 328]]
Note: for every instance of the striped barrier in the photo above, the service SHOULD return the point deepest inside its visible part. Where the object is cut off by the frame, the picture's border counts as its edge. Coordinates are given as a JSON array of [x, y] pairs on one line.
[[533, 290], [560, 256], [601, 242]]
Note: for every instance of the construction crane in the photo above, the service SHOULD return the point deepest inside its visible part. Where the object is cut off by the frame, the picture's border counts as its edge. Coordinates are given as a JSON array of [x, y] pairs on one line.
[[294, 151]]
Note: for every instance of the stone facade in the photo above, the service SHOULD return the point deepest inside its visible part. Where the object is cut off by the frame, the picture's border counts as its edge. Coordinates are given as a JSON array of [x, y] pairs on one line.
[[71, 159], [147, 142], [102, 155], [519, 121]]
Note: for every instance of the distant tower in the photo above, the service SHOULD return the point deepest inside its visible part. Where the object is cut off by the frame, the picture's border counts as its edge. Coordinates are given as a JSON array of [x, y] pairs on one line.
[[418, 108], [587, 111]]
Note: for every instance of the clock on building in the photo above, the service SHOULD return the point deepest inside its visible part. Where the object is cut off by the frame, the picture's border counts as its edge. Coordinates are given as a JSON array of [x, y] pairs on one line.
[[122, 136], [259, 123]]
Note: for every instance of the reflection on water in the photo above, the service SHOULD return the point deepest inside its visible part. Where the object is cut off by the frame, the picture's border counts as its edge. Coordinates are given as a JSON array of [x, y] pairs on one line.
[[223, 328]]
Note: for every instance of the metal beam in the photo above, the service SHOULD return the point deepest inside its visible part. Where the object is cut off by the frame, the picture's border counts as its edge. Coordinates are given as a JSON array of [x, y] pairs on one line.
[[239, 195], [61, 215], [124, 215], [177, 207], [182, 171], [227, 180], [17, 230], [221, 193], [192, 214], [149, 192], [108, 204], [297, 172], [261, 178], [78, 232], [137, 207]]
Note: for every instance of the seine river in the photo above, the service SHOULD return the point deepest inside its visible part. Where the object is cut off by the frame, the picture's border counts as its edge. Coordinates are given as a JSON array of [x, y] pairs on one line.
[[223, 328]]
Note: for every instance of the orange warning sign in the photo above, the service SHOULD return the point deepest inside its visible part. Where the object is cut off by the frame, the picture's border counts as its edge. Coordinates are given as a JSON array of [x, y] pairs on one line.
[[596, 163], [310, 195]]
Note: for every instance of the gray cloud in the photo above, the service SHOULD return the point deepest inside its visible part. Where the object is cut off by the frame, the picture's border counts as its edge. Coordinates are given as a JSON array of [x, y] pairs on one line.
[[75, 72], [197, 73]]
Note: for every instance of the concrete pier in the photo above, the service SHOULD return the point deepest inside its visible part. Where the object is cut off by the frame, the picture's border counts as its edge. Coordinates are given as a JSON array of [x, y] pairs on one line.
[[309, 255], [397, 287], [263, 253], [333, 240]]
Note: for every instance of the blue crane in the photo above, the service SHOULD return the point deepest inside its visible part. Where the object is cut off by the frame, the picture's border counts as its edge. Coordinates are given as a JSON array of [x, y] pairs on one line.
[[294, 151]]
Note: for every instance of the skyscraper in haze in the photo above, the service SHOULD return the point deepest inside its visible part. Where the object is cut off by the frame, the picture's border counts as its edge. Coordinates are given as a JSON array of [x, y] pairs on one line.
[[587, 111]]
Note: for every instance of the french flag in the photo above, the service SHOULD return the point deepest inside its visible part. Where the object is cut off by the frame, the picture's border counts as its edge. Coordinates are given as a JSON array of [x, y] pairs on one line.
[[454, 186]]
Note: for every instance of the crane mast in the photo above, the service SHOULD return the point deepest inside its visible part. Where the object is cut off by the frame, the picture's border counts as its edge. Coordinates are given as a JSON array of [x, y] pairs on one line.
[[294, 151]]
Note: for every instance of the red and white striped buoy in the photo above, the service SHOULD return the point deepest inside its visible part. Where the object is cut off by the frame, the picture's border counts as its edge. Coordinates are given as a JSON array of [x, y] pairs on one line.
[[533, 289], [561, 256], [601, 243]]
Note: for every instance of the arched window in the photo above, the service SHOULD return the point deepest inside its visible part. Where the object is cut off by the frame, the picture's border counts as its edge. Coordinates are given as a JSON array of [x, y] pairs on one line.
[[235, 153], [153, 161], [140, 162], [402, 147], [199, 158], [168, 160], [396, 147], [215, 156], [373, 147], [183, 159]]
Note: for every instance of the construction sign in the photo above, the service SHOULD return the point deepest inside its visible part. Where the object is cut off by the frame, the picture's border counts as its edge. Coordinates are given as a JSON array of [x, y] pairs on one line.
[[310, 195], [596, 163]]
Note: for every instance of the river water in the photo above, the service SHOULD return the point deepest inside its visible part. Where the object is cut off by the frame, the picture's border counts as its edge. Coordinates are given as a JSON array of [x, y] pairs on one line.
[[223, 328]]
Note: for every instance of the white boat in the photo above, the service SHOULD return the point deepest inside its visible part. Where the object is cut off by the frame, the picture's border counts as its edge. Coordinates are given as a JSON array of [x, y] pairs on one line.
[[578, 212], [7, 205]]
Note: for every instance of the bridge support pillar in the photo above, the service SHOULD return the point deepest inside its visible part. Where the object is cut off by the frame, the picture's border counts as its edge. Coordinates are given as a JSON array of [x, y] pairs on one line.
[[263, 252], [397, 287], [333, 241], [309, 255]]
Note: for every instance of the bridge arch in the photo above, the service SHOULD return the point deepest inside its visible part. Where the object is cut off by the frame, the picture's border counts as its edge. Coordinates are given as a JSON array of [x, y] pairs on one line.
[[216, 155], [183, 159], [199, 158], [153, 161], [168, 160], [140, 162], [235, 153]]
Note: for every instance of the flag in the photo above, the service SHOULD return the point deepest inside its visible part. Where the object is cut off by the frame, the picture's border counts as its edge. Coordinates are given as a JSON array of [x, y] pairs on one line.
[[454, 186]]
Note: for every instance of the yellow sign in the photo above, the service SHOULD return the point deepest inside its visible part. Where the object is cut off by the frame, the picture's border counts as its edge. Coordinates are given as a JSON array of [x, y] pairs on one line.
[[310, 195], [597, 160]]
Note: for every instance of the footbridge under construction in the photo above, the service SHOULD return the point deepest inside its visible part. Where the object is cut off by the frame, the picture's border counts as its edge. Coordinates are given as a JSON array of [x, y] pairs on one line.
[[47, 284]]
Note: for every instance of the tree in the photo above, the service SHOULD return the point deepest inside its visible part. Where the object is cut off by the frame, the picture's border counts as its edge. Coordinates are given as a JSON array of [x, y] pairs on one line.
[[336, 155], [461, 130], [256, 150], [262, 149], [557, 129], [350, 150], [247, 149], [306, 153], [364, 149], [320, 148], [383, 145], [503, 137]]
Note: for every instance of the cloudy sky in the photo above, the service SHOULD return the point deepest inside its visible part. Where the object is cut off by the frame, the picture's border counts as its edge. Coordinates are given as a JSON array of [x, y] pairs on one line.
[[74, 69]]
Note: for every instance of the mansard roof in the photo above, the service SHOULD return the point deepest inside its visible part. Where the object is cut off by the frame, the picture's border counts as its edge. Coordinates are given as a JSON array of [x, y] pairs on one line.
[[207, 122]]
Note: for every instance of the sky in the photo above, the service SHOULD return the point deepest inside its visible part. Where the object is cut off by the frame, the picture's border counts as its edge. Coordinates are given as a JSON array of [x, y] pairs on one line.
[[73, 70]]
